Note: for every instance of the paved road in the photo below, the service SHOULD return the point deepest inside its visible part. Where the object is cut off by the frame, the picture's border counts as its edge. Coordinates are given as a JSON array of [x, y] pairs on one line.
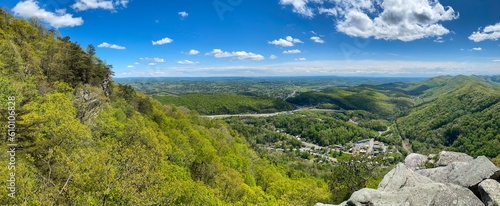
[[382, 132], [266, 114]]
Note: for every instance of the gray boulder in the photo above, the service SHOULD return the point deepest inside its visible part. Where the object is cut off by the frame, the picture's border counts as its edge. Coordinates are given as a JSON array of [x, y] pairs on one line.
[[470, 175], [446, 158], [490, 192], [440, 174], [465, 196], [432, 194], [415, 161], [400, 177]]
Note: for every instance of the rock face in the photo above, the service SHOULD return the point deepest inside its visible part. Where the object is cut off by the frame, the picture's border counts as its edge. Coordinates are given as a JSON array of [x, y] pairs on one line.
[[461, 181], [421, 194], [401, 177], [490, 192], [89, 102], [440, 174], [415, 161], [472, 174], [446, 158]]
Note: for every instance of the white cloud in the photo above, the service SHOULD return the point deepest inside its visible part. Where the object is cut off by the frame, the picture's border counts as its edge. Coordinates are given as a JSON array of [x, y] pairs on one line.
[[491, 32], [295, 51], [287, 42], [130, 66], [122, 3], [299, 6], [476, 49], [112, 46], [155, 59], [406, 20], [137, 63], [300, 59], [281, 42], [399, 20], [317, 39], [439, 39], [328, 12], [188, 62], [30, 8], [241, 55], [273, 56], [152, 64], [291, 39], [496, 60], [165, 40], [82, 5], [61, 12], [158, 60], [193, 52], [183, 14]]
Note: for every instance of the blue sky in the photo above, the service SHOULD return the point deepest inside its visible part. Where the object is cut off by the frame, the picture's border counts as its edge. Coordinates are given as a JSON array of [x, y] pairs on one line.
[[414, 38]]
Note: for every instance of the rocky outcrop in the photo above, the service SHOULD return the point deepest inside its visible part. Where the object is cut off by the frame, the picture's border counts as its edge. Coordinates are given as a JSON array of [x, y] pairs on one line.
[[421, 194], [470, 175], [401, 177], [466, 197], [440, 174], [89, 102], [446, 158], [461, 180], [415, 161], [490, 192]]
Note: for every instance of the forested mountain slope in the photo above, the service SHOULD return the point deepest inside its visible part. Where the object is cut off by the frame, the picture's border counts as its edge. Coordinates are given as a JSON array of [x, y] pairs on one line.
[[466, 120], [83, 140], [384, 102], [226, 103]]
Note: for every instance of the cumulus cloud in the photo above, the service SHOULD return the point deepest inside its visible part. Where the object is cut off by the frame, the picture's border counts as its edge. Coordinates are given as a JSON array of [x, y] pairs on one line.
[[183, 14], [300, 59], [328, 12], [188, 62], [241, 55], [273, 56], [317, 39], [287, 42], [294, 51], [122, 3], [384, 19], [30, 8], [82, 5], [476, 49], [299, 6], [112, 46], [491, 32], [439, 39], [152, 64], [192, 52], [137, 63], [155, 59], [130, 66], [165, 40]]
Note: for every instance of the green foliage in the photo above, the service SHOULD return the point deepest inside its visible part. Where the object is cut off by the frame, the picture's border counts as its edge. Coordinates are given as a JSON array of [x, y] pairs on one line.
[[463, 120], [383, 102], [227, 104]]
